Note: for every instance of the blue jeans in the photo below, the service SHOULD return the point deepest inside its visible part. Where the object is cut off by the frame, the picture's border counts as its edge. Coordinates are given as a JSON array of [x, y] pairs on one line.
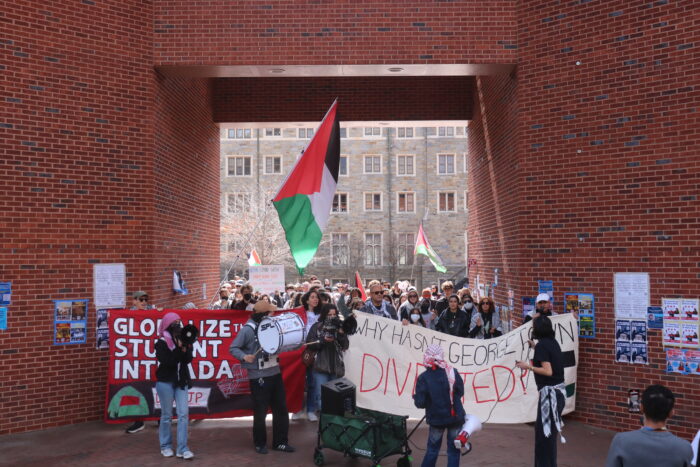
[[434, 443], [311, 405], [166, 393], [319, 380]]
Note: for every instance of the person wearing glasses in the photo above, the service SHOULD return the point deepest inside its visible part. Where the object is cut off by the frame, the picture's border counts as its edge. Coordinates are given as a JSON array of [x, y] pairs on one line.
[[485, 322], [139, 301], [442, 303], [376, 304], [409, 311]]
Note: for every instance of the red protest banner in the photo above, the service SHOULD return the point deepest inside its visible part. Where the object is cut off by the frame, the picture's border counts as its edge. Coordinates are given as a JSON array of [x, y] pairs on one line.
[[220, 387]]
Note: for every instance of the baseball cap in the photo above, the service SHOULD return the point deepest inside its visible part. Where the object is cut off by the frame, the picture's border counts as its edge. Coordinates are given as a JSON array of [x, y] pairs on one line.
[[543, 297], [139, 294], [263, 306]]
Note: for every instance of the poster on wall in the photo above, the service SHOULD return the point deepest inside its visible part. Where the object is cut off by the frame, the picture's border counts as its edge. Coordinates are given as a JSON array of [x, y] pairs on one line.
[[689, 334], [639, 353], [692, 362], [672, 308], [622, 330], [528, 306], [70, 322], [655, 317], [102, 329], [582, 305], [675, 361], [638, 331], [689, 309], [622, 352], [672, 333], [109, 284], [3, 318], [631, 295], [5, 293]]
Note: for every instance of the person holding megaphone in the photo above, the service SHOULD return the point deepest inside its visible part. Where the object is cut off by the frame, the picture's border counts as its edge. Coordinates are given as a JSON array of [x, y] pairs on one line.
[[173, 382]]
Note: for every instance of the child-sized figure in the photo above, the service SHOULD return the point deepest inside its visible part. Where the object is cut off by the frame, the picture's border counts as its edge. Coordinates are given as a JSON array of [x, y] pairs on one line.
[[439, 391]]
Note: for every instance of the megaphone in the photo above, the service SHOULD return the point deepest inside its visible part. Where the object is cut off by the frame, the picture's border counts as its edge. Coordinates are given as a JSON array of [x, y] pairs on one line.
[[472, 425], [189, 334]]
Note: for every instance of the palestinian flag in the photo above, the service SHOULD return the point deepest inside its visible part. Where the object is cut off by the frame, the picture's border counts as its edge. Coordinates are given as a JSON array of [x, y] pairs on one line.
[[424, 248], [361, 286], [254, 259], [304, 201]]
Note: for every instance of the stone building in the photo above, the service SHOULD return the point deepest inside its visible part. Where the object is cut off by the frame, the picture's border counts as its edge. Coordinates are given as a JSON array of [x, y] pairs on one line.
[[390, 178]]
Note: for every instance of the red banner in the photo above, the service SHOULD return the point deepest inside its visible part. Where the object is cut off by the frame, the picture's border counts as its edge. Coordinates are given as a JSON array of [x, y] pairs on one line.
[[220, 386]]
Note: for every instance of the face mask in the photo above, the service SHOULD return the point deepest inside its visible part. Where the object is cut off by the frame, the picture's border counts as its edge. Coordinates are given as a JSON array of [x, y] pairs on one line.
[[469, 305], [415, 317], [247, 297], [174, 329], [540, 310], [257, 317]]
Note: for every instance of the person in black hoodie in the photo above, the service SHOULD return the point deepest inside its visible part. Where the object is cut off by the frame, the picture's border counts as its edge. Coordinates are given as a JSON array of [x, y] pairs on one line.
[[439, 391], [173, 382], [453, 320]]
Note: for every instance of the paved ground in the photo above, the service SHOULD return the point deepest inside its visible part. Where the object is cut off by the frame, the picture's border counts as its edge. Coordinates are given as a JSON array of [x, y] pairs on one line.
[[229, 442]]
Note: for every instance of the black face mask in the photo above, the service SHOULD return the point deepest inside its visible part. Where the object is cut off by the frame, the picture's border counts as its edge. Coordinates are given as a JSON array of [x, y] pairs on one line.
[[257, 317], [174, 330], [247, 297]]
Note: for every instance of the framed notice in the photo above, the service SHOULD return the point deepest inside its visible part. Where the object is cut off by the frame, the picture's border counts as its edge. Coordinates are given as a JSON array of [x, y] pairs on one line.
[[109, 282], [631, 295], [70, 322]]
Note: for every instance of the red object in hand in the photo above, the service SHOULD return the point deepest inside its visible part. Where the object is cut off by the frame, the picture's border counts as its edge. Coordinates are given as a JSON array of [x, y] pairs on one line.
[[461, 439]]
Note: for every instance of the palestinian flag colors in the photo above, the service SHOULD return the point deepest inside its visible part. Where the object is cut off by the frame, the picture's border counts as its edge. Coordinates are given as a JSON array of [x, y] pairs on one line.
[[423, 248], [360, 285], [304, 201], [254, 259]]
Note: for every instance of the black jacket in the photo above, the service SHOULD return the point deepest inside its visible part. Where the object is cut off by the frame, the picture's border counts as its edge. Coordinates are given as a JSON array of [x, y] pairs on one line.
[[173, 365], [433, 395], [454, 324]]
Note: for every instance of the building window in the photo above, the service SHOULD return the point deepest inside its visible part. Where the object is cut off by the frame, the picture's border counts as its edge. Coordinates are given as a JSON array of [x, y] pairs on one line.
[[405, 165], [273, 132], [343, 132], [448, 131], [446, 164], [373, 249], [339, 249], [373, 201], [406, 201], [405, 132], [239, 166], [404, 248], [273, 164], [240, 133], [340, 202], [343, 167], [233, 246], [373, 164], [238, 203], [306, 133], [373, 131], [466, 201], [446, 201]]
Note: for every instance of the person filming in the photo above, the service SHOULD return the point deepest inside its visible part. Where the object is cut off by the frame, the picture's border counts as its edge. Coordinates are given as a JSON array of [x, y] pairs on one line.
[[329, 341]]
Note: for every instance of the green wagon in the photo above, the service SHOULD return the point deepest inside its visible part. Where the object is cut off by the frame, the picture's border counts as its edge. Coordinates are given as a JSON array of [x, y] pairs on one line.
[[365, 433]]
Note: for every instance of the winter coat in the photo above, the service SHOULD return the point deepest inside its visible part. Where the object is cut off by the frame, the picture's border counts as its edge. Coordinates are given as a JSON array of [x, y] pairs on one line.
[[173, 365], [433, 395], [478, 332], [454, 324], [329, 355]]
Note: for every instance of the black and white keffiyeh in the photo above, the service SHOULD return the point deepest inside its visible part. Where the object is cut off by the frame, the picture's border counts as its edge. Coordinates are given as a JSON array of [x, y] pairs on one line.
[[549, 409]]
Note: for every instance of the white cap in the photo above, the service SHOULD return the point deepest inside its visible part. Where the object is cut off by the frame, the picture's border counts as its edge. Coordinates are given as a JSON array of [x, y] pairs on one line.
[[543, 297]]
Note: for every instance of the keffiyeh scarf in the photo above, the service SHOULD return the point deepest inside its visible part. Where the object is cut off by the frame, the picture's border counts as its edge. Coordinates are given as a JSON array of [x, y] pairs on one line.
[[434, 357]]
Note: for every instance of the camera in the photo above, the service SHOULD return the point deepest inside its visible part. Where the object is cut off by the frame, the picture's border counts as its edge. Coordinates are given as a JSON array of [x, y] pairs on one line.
[[330, 327]]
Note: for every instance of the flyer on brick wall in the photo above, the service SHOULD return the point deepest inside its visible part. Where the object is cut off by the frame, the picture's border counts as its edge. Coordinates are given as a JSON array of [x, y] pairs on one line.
[[692, 359], [622, 330], [639, 353], [622, 352], [675, 361], [638, 331], [631, 295], [672, 333], [582, 304], [655, 317], [689, 309], [70, 322], [672, 308], [689, 334], [102, 329]]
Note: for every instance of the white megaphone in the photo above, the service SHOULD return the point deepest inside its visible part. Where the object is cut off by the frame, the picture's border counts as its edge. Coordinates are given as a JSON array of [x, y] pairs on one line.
[[472, 425]]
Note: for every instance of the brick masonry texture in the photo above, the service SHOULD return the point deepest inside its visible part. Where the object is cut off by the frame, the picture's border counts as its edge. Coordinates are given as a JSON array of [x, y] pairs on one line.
[[382, 98], [607, 176], [348, 32]]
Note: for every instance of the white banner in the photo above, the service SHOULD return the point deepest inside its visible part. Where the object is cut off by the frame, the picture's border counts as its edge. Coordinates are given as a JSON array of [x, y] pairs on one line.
[[385, 359], [267, 279]]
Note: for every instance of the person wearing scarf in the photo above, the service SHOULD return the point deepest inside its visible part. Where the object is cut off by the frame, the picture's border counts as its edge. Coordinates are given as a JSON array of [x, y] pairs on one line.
[[439, 391], [376, 304], [548, 369], [409, 311], [173, 382]]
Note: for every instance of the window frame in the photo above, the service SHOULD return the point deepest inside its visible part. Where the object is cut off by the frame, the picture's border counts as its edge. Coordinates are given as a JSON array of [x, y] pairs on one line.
[[365, 135], [454, 204], [364, 201], [238, 156], [364, 164], [273, 131], [398, 193], [244, 194], [347, 202], [412, 156], [347, 166], [405, 132], [281, 158], [409, 248], [347, 249], [454, 163], [381, 249]]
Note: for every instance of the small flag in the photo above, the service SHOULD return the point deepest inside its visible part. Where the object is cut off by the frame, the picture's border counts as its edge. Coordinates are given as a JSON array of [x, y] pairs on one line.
[[254, 259], [304, 200], [423, 248], [361, 286]]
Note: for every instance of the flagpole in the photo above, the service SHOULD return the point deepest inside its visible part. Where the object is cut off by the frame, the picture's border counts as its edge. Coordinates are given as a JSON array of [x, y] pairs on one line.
[[244, 248]]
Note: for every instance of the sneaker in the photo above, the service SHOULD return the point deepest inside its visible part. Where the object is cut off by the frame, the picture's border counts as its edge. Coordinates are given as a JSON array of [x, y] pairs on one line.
[[167, 452], [261, 449], [299, 415], [135, 427], [312, 417], [187, 455], [284, 448]]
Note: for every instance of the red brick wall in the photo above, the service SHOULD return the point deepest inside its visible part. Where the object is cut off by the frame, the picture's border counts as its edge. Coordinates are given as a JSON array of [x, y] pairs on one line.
[[77, 187], [310, 32], [608, 176], [364, 98]]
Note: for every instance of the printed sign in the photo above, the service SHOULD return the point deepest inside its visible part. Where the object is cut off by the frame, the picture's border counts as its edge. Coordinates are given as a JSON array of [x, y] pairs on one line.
[[267, 279], [70, 322]]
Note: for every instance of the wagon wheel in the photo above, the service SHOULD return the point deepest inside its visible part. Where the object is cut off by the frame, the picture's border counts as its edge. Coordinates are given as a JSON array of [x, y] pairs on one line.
[[404, 461], [318, 457]]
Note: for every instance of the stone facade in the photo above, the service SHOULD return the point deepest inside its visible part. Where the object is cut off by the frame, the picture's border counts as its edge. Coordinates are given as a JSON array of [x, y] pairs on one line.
[[391, 181]]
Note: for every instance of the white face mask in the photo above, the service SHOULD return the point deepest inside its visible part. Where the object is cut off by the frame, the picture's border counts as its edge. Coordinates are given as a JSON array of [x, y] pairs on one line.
[[469, 305], [415, 317]]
